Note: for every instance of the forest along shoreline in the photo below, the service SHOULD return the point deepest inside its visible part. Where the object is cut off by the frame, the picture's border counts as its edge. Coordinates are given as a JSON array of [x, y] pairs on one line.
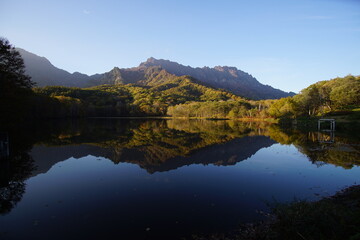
[[160, 93]]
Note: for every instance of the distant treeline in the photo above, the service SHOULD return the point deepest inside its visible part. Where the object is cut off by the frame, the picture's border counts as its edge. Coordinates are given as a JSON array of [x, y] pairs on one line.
[[183, 99]]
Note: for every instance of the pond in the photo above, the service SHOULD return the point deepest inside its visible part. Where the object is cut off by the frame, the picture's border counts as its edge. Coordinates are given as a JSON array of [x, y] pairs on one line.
[[160, 179]]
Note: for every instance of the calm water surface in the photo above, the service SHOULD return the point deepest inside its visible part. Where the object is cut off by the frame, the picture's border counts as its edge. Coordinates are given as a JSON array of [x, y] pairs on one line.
[[160, 179]]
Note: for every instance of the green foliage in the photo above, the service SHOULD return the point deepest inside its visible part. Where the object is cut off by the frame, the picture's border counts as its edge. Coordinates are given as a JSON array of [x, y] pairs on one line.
[[326, 96], [132, 100], [284, 107], [213, 109], [345, 92], [320, 98]]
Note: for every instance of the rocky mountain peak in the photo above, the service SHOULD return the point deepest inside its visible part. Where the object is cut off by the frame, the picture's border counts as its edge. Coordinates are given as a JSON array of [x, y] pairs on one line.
[[115, 70]]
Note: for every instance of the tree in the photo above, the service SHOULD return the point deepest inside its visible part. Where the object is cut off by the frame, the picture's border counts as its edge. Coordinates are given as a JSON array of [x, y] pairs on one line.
[[283, 108], [15, 86], [309, 100], [12, 68]]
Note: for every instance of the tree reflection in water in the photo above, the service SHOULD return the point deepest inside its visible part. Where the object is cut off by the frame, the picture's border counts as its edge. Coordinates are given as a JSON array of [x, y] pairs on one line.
[[15, 168], [155, 145]]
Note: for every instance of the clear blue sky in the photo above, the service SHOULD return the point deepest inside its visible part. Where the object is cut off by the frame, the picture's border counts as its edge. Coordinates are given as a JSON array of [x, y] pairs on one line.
[[287, 44]]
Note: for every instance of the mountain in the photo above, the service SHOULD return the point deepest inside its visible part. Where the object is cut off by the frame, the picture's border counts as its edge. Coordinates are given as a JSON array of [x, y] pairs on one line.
[[229, 78], [153, 72], [44, 73]]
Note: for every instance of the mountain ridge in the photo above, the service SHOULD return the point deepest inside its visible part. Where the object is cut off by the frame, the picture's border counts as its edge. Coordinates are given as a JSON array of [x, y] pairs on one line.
[[221, 77], [224, 77], [44, 73]]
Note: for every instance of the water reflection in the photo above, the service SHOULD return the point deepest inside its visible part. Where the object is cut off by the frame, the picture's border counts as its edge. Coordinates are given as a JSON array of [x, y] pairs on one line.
[[15, 167], [159, 146], [322, 147], [162, 145], [326, 138]]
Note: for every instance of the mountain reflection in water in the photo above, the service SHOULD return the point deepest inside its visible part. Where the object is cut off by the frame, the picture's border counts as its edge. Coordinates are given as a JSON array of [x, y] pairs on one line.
[[159, 146]]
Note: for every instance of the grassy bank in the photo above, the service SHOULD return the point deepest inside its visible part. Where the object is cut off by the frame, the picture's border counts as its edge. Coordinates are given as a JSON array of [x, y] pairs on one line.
[[345, 116], [331, 218]]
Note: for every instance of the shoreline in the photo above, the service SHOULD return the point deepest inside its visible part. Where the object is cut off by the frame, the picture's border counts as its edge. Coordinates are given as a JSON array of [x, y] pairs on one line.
[[331, 217]]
